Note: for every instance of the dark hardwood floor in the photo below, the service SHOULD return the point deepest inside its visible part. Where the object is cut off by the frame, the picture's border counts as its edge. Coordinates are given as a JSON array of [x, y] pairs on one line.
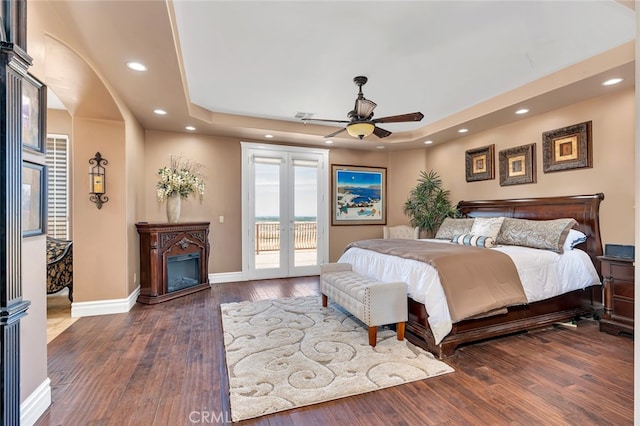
[[164, 365]]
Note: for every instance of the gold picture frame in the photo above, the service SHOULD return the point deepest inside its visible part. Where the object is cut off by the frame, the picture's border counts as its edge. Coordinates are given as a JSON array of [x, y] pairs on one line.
[[518, 165], [479, 163], [567, 148]]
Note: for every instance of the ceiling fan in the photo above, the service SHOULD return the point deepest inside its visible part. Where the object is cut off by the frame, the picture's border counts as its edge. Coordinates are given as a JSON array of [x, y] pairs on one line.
[[360, 123]]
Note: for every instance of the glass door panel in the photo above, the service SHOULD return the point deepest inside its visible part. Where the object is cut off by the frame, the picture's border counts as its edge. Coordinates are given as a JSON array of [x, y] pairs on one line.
[[267, 218], [305, 195], [284, 221]]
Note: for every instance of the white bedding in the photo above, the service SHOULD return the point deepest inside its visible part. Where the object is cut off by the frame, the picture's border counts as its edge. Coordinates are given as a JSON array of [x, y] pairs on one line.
[[544, 274]]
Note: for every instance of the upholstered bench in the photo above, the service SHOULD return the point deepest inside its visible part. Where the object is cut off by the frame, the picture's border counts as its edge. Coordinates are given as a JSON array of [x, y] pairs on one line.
[[372, 302]]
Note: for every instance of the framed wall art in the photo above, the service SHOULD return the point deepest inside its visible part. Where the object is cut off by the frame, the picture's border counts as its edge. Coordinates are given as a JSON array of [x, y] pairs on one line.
[[358, 195], [518, 165], [34, 188], [479, 164], [567, 148], [34, 103]]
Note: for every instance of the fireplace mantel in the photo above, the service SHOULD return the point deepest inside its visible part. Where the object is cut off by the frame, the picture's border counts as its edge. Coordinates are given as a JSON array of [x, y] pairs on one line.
[[174, 259]]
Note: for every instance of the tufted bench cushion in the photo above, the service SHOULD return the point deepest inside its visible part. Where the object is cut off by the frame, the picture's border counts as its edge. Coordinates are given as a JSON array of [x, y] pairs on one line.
[[372, 302]]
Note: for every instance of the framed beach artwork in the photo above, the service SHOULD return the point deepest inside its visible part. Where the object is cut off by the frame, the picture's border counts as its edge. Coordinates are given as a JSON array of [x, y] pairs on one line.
[[358, 195]]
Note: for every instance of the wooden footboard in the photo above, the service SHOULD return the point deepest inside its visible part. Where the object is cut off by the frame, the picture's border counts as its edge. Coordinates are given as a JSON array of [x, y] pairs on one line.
[[585, 210], [518, 318]]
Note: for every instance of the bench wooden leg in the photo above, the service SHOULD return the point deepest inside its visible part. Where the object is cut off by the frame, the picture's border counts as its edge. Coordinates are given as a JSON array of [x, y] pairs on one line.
[[373, 334], [400, 330], [324, 300]]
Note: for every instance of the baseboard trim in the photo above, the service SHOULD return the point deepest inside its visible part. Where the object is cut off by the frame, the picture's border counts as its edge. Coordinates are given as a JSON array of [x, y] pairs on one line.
[[119, 306], [36, 404], [226, 277], [104, 307]]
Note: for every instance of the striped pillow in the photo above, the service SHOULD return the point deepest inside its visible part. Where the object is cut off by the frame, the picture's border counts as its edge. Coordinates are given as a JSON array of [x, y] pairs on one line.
[[474, 240]]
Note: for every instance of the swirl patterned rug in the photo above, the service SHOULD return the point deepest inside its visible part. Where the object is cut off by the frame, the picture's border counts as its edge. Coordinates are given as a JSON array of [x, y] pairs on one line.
[[287, 353]]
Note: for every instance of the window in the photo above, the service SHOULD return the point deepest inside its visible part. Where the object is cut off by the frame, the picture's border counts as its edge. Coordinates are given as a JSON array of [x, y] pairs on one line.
[[58, 186]]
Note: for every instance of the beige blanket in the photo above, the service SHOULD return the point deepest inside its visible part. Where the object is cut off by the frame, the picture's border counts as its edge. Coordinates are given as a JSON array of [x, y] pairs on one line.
[[475, 280]]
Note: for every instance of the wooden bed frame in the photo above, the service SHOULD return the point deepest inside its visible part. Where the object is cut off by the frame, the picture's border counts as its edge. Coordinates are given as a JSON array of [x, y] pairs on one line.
[[585, 210]]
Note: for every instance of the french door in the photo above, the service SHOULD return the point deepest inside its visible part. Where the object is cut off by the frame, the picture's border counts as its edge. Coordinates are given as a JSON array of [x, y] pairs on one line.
[[284, 210]]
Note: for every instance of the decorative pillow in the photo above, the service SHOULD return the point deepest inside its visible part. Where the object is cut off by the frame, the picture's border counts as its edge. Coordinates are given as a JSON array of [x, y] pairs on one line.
[[451, 227], [541, 234], [574, 238], [474, 240], [487, 226]]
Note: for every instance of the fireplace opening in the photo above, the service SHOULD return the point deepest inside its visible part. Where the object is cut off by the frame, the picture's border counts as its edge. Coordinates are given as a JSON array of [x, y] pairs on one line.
[[183, 271]]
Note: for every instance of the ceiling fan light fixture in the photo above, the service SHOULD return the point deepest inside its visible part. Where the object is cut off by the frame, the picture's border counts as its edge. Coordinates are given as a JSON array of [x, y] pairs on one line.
[[365, 107], [360, 129]]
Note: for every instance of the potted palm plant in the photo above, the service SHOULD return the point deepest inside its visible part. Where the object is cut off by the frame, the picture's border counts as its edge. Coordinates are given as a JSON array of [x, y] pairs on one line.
[[428, 203]]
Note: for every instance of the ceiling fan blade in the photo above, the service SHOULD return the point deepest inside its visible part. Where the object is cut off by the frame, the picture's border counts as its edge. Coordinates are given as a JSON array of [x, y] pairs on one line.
[[335, 133], [381, 133], [328, 121], [414, 116]]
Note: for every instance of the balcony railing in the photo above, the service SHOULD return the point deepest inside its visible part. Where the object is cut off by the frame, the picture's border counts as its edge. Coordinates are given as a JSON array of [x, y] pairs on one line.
[[268, 236]]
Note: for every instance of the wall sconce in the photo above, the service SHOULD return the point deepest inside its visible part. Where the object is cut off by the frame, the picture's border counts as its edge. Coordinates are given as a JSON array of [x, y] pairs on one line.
[[97, 181]]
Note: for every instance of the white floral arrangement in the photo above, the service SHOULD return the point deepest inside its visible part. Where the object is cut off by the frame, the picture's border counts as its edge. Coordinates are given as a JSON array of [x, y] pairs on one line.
[[183, 177]]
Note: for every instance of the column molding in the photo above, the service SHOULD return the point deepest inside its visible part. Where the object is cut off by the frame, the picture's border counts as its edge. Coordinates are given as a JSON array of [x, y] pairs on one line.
[[14, 63]]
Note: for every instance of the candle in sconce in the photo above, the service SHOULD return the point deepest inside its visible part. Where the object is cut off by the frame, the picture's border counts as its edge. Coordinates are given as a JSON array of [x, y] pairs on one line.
[[97, 184]]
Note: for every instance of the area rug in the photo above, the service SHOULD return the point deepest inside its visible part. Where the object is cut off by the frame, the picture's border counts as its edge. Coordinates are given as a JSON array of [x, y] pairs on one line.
[[288, 353]]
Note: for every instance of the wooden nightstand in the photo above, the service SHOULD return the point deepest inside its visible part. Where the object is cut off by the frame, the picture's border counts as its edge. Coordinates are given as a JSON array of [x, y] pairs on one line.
[[618, 281]]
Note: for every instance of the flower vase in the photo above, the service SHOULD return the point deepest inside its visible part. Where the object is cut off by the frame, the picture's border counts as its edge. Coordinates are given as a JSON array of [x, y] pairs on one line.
[[173, 208]]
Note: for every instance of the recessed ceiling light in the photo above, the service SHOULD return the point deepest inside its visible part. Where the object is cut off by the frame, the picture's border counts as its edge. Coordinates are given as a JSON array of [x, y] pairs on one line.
[[463, 130], [329, 142], [268, 136], [428, 142], [136, 66], [612, 81], [380, 147], [190, 128], [160, 111], [522, 111]]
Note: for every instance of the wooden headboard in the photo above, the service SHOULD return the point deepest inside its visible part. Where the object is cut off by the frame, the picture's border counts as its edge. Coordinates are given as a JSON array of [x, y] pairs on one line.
[[585, 209]]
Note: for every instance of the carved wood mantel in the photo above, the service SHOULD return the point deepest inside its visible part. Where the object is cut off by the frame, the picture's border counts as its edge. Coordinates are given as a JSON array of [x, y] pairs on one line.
[[162, 242]]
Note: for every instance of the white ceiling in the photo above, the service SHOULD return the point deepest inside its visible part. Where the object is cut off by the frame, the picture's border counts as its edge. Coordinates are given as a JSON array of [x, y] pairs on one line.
[[246, 68]]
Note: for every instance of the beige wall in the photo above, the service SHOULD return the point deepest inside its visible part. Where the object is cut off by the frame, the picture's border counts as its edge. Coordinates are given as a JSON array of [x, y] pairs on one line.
[[105, 242], [99, 236], [613, 169], [404, 172], [59, 122], [341, 235], [613, 161], [221, 158], [612, 174], [33, 336], [135, 206]]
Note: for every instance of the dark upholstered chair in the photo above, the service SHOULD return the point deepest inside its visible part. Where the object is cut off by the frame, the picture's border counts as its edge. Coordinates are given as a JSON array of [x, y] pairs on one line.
[[59, 266]]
